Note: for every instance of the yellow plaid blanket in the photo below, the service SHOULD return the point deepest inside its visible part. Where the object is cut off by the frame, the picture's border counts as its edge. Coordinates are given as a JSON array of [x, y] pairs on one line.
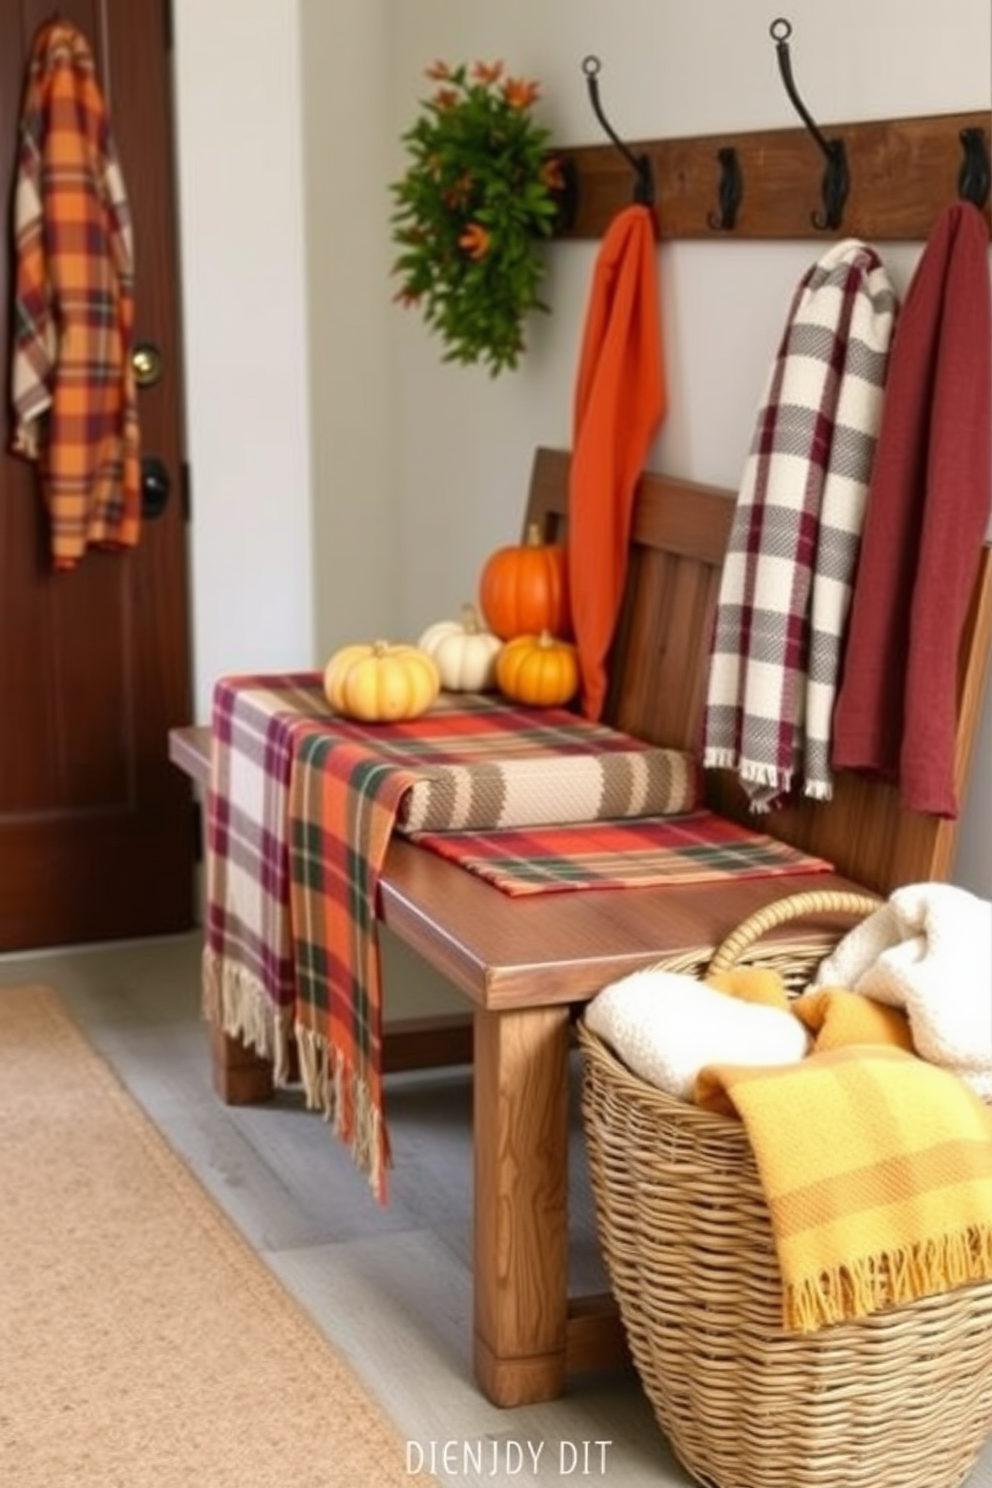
[[877, 1170]]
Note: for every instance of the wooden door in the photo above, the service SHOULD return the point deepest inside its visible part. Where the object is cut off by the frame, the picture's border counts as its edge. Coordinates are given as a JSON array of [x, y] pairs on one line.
[[96, 835]]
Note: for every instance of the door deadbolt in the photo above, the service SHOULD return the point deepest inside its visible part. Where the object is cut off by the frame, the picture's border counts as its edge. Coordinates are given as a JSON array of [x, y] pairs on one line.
[[155, 486], [146, 360]]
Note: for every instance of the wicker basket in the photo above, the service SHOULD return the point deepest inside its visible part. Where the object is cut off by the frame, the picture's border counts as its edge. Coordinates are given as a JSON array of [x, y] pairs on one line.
[[901, 1399]]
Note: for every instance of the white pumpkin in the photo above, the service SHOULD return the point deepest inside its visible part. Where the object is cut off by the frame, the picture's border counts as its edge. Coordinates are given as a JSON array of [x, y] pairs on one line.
[[464, 652]]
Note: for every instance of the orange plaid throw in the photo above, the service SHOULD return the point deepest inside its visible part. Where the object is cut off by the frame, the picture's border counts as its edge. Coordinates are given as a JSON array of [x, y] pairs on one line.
[[72, 382]]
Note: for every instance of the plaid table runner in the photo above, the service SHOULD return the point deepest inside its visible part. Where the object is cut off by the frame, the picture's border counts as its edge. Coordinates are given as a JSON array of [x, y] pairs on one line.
[[698, 847], [302, 805]]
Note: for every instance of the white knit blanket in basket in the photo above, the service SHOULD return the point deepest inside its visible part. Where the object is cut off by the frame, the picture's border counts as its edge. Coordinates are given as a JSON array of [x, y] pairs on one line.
[[927, 950], [667, 1026]]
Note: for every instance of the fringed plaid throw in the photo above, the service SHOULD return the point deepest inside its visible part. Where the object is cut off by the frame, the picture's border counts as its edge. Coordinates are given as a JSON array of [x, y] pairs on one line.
[[343, 803], [300, 811], [249, 982], [786, 583], [349, 786], [301, 808]]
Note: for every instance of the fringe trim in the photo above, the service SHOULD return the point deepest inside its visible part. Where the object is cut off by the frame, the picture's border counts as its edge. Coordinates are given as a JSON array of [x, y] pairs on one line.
[[343, 1097], [763, 784], [719, 758], [872, 1283], [236, 1002], [767, 777], [819, 790]]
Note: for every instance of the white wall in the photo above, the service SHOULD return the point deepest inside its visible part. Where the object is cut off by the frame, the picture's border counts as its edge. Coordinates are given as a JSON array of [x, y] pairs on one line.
[[417, 469], [245, 325], [347, 144]]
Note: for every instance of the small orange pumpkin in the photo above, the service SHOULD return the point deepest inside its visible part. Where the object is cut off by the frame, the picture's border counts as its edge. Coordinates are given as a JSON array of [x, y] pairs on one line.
[[540, 671], [523, 589]]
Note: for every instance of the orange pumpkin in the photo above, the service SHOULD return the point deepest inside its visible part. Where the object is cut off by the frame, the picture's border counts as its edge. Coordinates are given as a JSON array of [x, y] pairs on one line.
[[523, 589], [540, 671]]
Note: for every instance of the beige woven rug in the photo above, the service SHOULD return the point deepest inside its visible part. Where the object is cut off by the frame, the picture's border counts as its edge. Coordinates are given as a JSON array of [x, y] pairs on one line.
[[142, 1343]]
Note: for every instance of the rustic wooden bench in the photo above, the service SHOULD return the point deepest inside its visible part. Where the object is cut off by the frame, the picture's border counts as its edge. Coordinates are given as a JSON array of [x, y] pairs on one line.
[[524, 965]]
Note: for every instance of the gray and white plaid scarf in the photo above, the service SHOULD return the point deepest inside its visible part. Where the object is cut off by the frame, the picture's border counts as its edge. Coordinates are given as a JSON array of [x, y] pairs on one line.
[[786, 584]]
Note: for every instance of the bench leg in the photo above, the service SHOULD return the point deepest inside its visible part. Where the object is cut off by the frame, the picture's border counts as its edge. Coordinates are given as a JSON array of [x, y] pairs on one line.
[[240, 1076], [520, 1136]]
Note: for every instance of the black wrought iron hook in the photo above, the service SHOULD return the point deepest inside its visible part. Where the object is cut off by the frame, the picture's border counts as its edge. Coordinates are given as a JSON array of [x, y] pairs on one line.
[[641, 164], [836, 178], [974, 176]]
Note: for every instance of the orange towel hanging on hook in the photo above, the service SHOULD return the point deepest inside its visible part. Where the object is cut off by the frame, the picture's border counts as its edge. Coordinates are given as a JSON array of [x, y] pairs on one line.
[[620, 402]]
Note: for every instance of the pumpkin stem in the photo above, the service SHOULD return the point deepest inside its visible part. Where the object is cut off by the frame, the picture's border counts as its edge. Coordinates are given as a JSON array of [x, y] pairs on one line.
[[470, 620], [379, 648], [533, 538]]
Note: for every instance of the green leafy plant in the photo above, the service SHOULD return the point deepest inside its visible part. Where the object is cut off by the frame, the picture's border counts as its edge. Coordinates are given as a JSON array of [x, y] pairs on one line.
[[479, 195]]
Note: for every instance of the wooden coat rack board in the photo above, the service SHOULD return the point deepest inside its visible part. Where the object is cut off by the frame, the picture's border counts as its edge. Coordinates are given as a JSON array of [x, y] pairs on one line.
[[902, 173]]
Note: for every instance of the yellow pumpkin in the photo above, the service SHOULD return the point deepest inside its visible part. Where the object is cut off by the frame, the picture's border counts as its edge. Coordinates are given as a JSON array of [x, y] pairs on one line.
[[381, 683], [538, 670], [464, 651]]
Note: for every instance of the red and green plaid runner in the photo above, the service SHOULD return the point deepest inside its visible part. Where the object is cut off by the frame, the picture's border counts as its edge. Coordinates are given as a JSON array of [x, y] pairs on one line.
[[699, 847]]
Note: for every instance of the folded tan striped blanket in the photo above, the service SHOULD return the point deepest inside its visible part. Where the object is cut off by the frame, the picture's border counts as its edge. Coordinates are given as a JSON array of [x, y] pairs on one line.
[[544, 786]]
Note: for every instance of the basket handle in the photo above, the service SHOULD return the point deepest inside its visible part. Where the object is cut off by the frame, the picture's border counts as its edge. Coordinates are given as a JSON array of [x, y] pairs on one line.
[[793, 907]]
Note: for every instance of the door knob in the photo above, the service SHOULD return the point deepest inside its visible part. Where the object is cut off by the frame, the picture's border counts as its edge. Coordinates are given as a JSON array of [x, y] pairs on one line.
[[146, 361]]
